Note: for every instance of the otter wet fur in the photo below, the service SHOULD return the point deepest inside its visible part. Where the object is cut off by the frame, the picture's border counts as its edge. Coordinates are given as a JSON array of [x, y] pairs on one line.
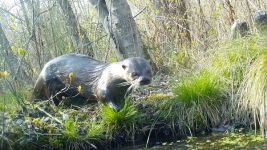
[[80, 77]]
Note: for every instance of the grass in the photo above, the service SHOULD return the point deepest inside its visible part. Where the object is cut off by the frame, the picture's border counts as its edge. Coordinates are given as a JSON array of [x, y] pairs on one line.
[[253, 99], [208, 94], [8, 102], [96, 130], [194, 106], [124, 118], [201, 98], [198, 88], [231, 59]]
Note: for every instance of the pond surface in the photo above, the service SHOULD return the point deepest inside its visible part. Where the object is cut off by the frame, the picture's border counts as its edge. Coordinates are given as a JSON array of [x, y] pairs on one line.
[[222, 141]]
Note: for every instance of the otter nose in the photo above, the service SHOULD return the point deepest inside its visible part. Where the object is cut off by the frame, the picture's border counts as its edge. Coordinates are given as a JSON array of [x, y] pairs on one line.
[[145, 81]]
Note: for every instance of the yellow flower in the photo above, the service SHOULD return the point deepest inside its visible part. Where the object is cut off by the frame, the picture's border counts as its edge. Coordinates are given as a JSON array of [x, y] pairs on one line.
[[71, 76], [4, 74], [20, 51], [79, 88], [14, 26]]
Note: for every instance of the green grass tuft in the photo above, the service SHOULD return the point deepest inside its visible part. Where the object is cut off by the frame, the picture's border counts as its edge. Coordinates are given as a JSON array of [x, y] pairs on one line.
[[124, 118], [198, 88], [197, 102]]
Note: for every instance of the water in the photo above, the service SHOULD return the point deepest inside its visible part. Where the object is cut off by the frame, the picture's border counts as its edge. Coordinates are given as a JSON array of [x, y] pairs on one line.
[[222, 141]]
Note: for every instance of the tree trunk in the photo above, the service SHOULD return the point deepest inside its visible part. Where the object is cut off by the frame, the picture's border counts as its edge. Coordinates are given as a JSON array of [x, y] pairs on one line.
[[118, 22], [231, 11], [6, 52], [79, 36]]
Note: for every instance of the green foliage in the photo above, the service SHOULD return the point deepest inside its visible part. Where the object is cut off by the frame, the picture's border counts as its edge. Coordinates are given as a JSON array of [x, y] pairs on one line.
[[70, 128], [198, 88], [124, 118]]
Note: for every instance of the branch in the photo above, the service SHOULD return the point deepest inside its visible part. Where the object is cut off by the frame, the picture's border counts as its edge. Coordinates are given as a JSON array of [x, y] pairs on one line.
[[10, 13], [49, 115]]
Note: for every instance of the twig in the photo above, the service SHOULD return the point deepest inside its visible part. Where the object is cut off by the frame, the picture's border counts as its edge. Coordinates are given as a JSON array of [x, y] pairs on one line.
[[193, 35], [48, 134], [91, 144], [139, 12], [49, 115], [8, 12]]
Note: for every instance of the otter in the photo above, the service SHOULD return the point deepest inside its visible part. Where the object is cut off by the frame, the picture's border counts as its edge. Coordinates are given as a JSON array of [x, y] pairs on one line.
[[79, 77]]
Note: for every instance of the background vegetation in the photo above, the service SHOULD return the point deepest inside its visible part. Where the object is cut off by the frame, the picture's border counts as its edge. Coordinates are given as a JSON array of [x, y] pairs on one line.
[[204, 79]]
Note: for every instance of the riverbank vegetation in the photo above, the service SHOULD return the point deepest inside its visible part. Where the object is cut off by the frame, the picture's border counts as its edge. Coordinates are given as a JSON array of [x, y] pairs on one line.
[[204, 79]]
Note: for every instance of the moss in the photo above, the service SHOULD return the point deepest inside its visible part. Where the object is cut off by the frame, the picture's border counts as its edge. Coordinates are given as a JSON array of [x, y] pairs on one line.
[[219, 141], [157, 99]]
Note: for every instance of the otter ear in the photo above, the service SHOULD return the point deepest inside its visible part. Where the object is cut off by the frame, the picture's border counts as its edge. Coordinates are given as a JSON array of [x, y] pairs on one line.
[[123, 66]]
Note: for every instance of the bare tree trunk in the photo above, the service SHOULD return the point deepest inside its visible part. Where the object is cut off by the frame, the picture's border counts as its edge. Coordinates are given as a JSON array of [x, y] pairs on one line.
[[79, 36], [118, 22], [231, 11], [10, 59]]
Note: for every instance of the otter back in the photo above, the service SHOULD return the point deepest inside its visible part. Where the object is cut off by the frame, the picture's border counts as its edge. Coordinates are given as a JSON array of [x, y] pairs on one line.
[[54, 80]]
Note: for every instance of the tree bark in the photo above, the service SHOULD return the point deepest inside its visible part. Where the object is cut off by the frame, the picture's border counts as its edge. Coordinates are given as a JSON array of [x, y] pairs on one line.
[[231, 11], [116, 17], [6, 52], [78, 34]]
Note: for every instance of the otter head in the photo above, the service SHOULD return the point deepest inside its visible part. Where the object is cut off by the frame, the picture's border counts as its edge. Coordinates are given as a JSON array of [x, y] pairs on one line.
[[138, 71]]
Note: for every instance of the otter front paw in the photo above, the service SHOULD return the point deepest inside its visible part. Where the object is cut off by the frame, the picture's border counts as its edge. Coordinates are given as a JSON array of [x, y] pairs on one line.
[[114, 106]]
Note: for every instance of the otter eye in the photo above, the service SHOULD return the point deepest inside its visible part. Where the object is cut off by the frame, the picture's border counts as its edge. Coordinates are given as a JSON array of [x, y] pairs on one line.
[[124, 67]]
